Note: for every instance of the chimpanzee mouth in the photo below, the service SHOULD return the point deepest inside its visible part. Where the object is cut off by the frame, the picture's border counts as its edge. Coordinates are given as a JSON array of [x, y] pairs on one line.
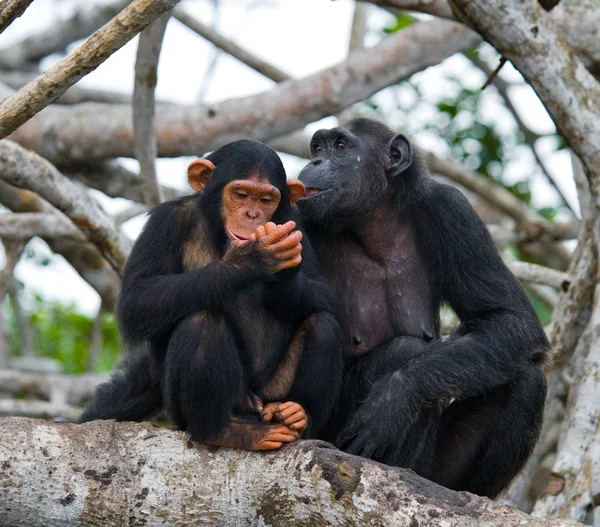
[[311, 192], [234, 236]]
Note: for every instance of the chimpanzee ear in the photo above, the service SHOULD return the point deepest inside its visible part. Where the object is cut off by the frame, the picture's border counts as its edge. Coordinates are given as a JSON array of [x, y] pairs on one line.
[[295, 190], [199, 173], [401, 155]]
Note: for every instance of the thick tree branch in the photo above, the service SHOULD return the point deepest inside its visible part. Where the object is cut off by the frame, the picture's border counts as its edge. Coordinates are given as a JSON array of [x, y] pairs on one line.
[[42, 224], [28, 170], [146, 77], [49, 86], [542, 232], [228, 46], [192, 130], [526, 35], [83, 256], [109, 474], [10, 10]]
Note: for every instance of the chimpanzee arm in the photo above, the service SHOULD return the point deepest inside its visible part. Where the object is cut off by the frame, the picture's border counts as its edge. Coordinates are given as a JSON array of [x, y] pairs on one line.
[[156, 291], [498, 335], [301, 289]]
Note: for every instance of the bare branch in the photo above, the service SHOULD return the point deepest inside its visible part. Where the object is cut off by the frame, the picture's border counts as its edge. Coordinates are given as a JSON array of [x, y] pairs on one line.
[[22, 321], [228, 46], [534, 232], [112, 178], [74, 95], [42, 224], [10, 10], [86, 19], [84, 257], [131, 212], [539, 274], [146, 71], [193, 130], [567, 89], [498, 196], [137, 473], [529, 135], [49, 86], [28, 170]]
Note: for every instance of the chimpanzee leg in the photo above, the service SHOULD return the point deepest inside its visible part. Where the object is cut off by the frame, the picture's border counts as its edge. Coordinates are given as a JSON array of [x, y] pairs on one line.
[[318, 378], [204, 380], [203, 375], [133, 393], [483, 442]]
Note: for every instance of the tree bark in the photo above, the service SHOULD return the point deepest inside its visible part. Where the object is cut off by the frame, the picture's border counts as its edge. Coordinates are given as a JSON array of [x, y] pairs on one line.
[[114, 474]]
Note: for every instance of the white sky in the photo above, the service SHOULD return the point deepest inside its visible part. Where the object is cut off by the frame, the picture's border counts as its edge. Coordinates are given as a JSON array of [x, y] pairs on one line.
[[300, 37]]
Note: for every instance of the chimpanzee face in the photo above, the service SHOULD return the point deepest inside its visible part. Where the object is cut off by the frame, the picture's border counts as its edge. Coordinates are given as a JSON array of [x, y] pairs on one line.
[[342, 177]]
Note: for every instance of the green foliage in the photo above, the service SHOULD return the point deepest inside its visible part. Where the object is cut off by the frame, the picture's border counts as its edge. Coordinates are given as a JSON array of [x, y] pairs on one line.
[[402, 21], [62, 333]]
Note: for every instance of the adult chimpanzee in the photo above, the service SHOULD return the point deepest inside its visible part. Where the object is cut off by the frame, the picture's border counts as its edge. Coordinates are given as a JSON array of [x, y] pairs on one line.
[[393, 245], [232, 317]]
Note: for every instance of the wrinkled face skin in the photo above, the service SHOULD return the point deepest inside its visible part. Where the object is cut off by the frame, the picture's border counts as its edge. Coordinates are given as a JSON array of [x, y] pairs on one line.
[[345, 178], [247, 204]]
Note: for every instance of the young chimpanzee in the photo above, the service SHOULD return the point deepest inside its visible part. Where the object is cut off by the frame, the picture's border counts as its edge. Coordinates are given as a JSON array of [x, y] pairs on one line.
[[393, 244], [228, 311]]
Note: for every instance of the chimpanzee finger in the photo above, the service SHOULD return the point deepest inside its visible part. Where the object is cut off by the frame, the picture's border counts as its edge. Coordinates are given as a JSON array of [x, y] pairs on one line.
[[279, 233], [290, 241], [270, 227], [294, 418], [299, 425], [268, 412], [290, 409], [290, 253], [270, 445], [259, 232], [288, 264]]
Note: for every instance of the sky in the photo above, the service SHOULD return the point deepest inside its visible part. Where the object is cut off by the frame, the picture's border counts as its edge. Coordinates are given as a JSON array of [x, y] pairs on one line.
[[301, 38]]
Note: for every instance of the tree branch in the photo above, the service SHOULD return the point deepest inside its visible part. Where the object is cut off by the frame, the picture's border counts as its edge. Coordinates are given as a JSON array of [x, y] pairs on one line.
[[542, 232], [137, 473], [10, 10], [146, 71], [228, 46], [42, 224], [193, 130], [49, 86], [83, 256], [28, 170], [74, 95], [538, 274]]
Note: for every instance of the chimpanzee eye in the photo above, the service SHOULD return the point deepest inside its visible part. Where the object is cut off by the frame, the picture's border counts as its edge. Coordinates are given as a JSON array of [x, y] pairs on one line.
[[340, 145], [240, 194], [266, 200], [317, 147]]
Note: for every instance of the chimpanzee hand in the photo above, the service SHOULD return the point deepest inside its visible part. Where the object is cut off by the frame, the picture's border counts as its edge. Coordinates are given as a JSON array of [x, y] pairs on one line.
[[290, 414], [282, 241], [382, 420]]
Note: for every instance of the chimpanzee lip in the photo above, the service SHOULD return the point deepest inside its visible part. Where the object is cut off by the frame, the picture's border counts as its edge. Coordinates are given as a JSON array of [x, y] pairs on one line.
[[311, 192], [235, 236]]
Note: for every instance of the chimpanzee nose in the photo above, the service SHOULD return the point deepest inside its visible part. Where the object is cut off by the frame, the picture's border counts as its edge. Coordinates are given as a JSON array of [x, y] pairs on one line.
[[252, 214]]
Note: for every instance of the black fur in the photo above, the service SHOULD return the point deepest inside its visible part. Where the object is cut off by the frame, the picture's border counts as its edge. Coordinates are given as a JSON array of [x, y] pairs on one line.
[[465, 411], [207, 336]]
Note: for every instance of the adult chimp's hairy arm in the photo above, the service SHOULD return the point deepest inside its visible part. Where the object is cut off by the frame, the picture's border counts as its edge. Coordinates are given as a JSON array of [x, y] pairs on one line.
[[157, 292], [301, 289]]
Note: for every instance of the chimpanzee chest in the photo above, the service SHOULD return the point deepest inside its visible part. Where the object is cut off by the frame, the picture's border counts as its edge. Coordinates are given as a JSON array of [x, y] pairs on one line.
[[382, 297]]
